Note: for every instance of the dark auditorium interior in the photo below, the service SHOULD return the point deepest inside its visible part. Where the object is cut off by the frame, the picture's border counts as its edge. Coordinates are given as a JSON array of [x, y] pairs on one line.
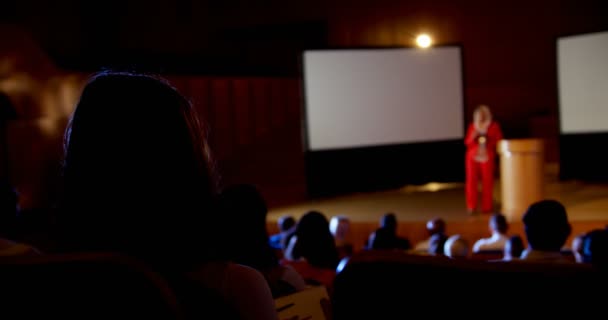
[[240, 66]]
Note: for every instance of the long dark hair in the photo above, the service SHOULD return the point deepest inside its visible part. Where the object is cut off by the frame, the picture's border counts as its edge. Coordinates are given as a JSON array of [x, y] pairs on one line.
[[138, 175], [315, 242]]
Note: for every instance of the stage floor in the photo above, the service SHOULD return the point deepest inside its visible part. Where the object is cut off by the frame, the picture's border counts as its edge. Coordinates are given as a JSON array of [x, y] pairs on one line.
[[583, 201], [586, 204]]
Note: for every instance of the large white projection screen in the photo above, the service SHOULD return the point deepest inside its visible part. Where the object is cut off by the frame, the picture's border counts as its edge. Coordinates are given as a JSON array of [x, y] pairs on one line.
[[583, 83], [370, 97]]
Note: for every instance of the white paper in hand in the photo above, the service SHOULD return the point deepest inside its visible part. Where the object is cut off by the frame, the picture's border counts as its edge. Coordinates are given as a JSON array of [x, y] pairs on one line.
[[310, 304]]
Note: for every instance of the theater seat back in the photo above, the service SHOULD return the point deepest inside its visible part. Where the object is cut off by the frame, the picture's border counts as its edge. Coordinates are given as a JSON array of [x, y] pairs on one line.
[[86, 286], [383, 285]]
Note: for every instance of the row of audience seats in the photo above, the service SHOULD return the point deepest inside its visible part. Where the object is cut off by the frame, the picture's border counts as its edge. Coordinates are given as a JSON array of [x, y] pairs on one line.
[[391, 284], [489, 255], [84, 286], [372, 284]]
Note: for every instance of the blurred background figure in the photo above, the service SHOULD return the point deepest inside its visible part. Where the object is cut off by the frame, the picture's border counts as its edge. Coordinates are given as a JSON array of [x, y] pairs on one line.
[[287, 225], [595, 248], [481, 140], [433, 227], [577, 247], [513, 248], [339, 226], [498, 228], [456, 247], [386, 236], [312, 250], [437, 244]]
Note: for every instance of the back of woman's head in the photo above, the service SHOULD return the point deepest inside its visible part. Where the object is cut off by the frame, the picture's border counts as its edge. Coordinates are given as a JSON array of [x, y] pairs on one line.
[[136, 168], [315, 242]]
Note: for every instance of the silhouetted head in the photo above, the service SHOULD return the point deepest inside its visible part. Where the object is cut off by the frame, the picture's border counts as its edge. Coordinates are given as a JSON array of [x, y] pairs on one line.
[[137, 170], [546, 225], [498, 223], [389, 222], [435, 226], [456, 247], [315, 242], [514, 247], [286, 223], [595, 248], [245, 210]]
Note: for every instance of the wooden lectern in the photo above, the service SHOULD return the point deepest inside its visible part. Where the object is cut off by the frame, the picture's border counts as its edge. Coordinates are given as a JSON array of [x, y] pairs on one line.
[[521, 174]]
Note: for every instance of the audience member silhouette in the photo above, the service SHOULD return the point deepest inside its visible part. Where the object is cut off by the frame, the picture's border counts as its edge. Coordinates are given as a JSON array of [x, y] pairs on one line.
[[339, 226], [313, 246], [287, 225], [513, 248], [435, 227], [386, 236], [595, 248], [247, 243], [139, 180], [498, 227], [456, 247], [437, 244], [547, 229]]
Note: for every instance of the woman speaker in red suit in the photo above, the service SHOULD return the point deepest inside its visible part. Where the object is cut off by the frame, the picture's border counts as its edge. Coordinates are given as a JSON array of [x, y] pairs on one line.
[[481, 140]]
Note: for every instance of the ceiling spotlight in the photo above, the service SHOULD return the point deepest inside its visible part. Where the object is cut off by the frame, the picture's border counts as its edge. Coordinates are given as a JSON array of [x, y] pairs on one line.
[[423, 41]]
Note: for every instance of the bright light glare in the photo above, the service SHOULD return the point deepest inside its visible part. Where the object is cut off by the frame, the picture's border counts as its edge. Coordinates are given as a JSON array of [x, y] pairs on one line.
[[424, 41]]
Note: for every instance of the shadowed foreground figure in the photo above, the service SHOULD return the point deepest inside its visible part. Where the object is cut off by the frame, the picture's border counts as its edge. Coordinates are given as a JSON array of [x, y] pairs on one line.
[[247, 243], [139, 180]]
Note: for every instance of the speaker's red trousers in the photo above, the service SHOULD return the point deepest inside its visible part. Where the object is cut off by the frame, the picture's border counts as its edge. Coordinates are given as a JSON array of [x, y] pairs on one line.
[[480, 172]]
